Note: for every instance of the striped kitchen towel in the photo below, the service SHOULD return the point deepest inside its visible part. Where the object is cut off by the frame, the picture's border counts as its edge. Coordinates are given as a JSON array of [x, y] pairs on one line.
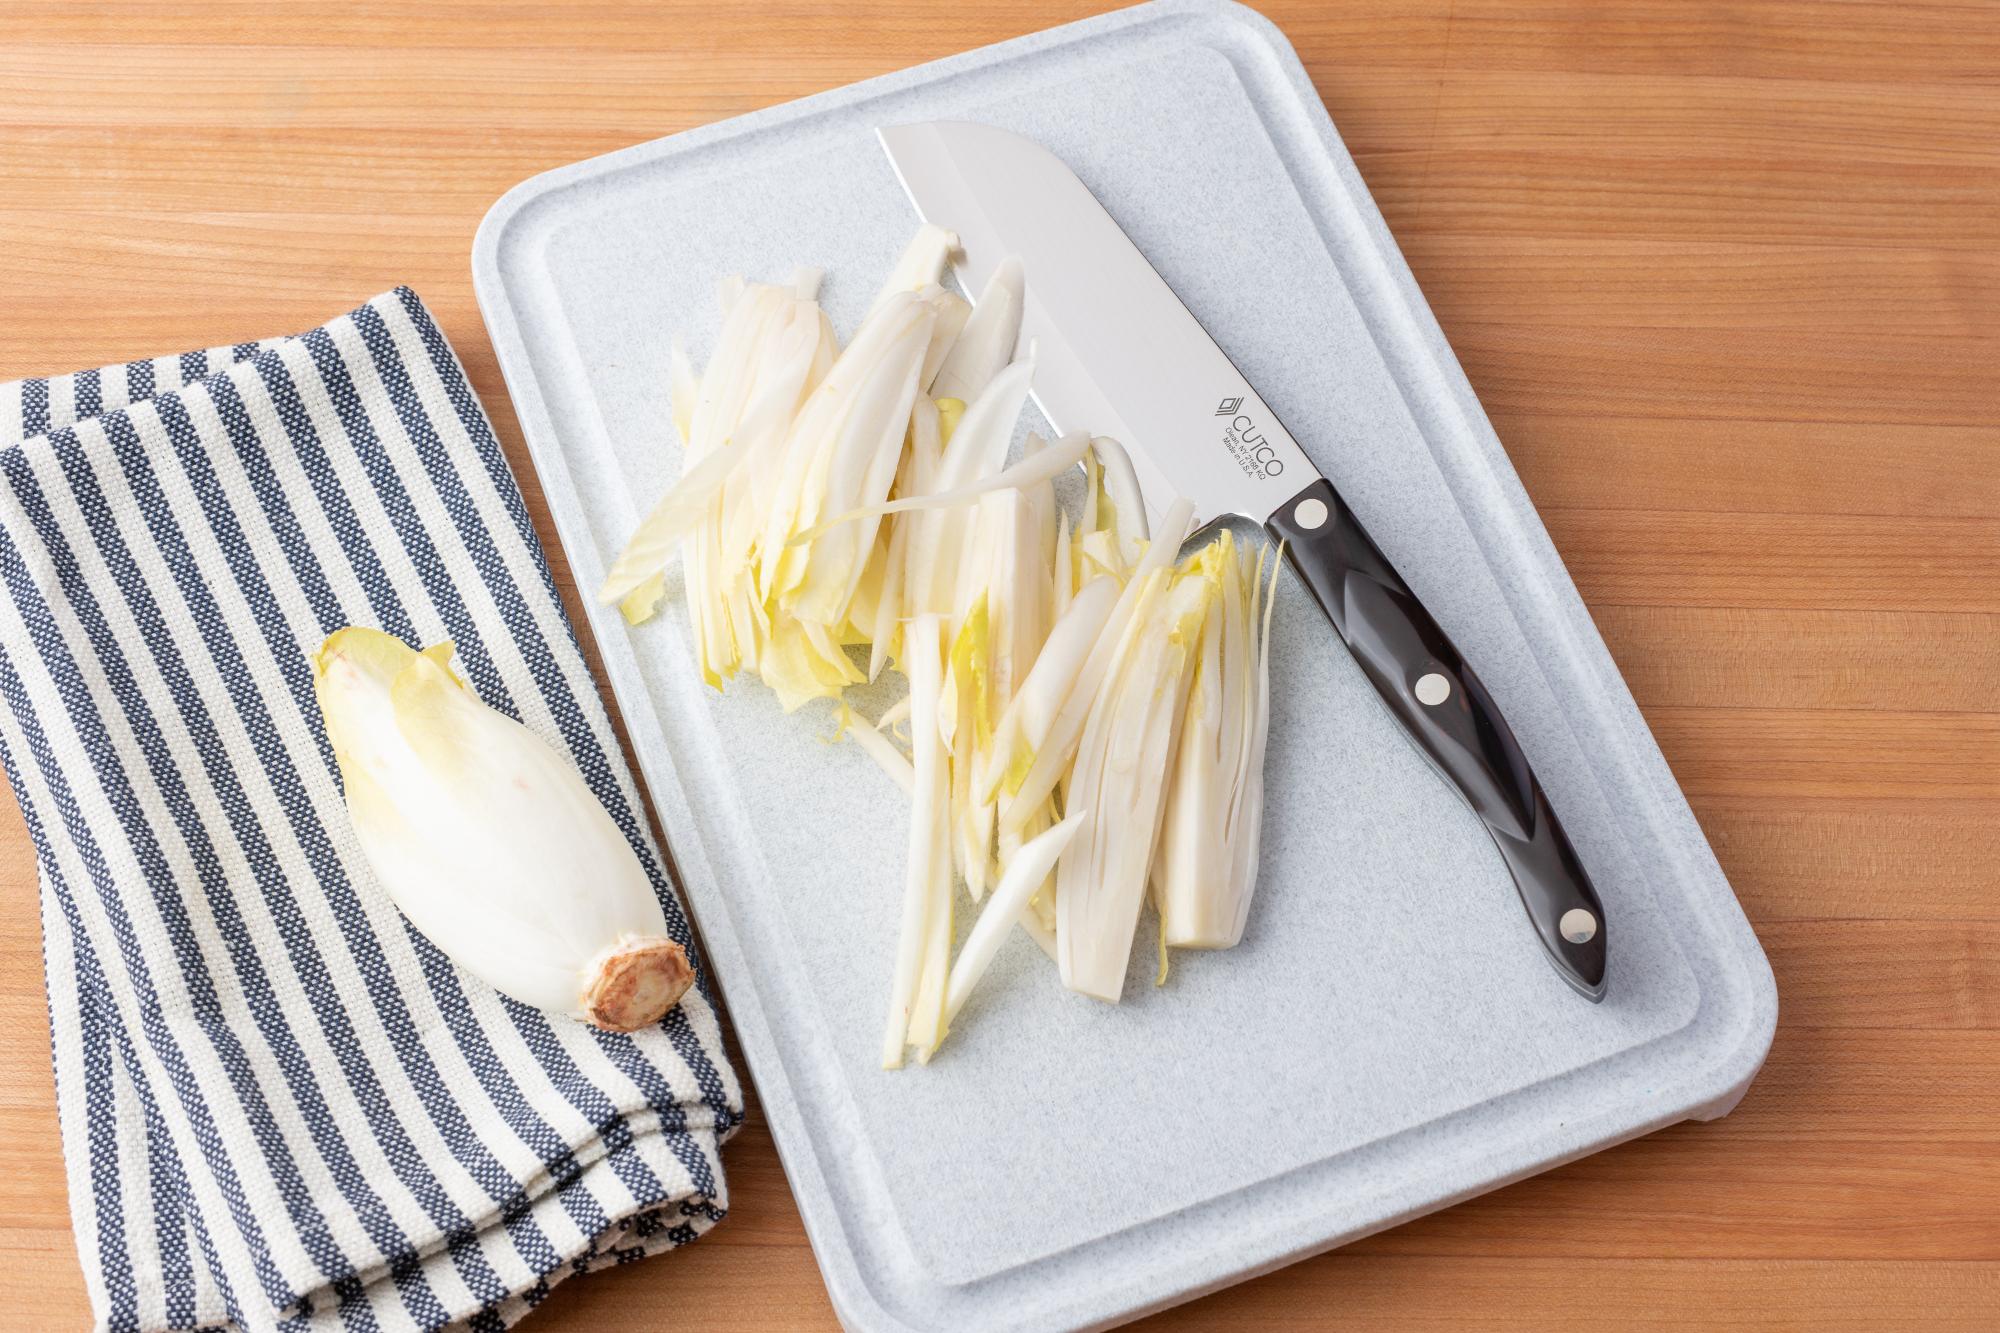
[[282, 1108]]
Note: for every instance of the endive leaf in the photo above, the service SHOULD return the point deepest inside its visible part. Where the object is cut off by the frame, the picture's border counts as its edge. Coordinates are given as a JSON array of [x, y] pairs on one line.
[[429, 706], [643, 602], [1025, 874], [1051, 462], [671, 519], [987, 342], [921, 264]]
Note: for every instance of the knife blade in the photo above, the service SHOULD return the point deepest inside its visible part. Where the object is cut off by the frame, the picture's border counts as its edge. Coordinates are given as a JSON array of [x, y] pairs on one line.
[[1119, 354]]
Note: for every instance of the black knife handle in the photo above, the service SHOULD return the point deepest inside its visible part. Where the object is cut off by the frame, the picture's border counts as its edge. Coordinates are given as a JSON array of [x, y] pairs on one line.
[[1453, 720]]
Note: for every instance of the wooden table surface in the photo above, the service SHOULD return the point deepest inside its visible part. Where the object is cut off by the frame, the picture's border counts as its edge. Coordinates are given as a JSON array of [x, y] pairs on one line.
[[1727, 277]]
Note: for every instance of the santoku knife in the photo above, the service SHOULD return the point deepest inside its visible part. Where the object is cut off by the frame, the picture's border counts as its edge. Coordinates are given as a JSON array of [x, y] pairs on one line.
[[1120, 355]]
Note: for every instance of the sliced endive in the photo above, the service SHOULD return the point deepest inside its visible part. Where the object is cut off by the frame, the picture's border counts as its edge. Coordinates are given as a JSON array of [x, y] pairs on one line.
[[917, 989], [1118, 784], [1206, 869], [1058, 748], [489, 841], [986, 343], [1086, 716]]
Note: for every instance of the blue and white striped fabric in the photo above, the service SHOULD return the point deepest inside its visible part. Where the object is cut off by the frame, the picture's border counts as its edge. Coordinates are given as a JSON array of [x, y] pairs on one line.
[[281, 1108]]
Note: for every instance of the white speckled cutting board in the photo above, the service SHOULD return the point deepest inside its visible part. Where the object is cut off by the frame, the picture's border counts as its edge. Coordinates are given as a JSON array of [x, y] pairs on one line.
[[1388, 1038]]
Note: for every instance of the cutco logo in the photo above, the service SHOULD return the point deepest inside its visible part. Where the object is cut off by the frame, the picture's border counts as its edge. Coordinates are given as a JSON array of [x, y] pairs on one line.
[[1246, 444]]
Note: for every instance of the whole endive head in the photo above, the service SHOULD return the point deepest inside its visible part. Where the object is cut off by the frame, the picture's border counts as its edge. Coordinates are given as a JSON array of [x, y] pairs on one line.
[[488, 840]]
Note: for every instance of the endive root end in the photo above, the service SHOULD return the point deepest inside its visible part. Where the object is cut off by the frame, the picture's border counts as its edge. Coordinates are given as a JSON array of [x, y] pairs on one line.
[[636, 983]]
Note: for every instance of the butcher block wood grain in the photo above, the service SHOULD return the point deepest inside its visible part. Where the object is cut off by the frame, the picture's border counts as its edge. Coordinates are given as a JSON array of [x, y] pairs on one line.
[[1727, 278]]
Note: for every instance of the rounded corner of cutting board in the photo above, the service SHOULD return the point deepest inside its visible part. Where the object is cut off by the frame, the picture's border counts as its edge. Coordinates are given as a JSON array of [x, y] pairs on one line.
[[490, 237], [1724, 1082], [1235, 11]]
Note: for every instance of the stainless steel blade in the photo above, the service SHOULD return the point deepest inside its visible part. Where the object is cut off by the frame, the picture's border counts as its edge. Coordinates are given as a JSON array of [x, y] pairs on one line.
[[1119, 354]]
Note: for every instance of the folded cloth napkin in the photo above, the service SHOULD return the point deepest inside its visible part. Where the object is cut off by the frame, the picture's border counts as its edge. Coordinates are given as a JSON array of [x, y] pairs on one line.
[[280, 1106]]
